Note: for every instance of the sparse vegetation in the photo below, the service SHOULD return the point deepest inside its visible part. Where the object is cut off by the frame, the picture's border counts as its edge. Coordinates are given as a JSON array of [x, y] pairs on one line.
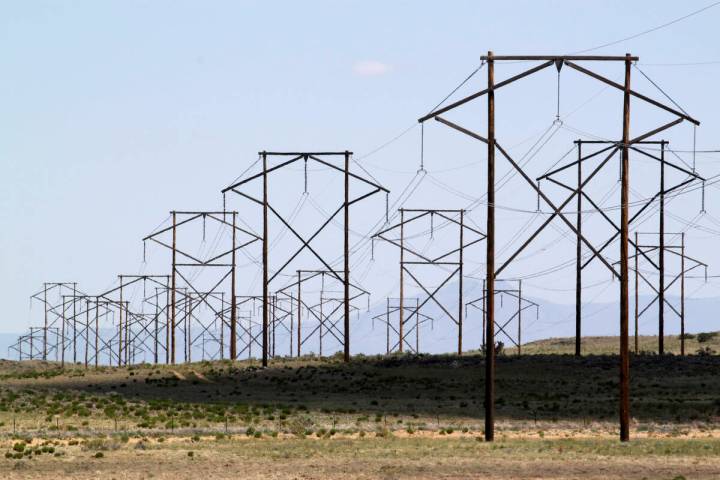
[[412, 404]]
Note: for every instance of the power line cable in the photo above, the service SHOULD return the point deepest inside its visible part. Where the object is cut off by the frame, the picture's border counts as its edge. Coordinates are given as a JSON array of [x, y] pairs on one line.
[[650, 30]]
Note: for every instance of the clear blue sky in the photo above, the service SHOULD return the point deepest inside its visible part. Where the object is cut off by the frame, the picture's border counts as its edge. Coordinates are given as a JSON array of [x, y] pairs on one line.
[[113, 113]]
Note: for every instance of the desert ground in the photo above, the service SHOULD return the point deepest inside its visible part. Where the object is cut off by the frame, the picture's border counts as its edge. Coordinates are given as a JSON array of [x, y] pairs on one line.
[[380, 417]]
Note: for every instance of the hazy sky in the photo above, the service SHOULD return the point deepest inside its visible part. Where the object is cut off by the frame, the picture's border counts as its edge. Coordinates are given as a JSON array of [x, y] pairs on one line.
[[113, 113]]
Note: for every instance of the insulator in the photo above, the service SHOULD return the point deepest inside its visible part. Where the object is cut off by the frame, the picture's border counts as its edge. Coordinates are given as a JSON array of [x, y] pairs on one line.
[[557, 114], [204, 222], [702, 206], [372, 249], [537, 209], [422, 148], [224, 207], [144, 251], [432, 225], [306, 180]]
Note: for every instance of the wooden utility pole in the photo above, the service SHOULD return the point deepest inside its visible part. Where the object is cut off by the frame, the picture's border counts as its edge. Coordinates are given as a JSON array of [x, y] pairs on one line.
[[490, 261], [299, 316], [624, 216], [62, 335], [233, 305], [45, 339], [401, 310], [292, 323], [74, 323], [661, 259], [97, 324], [578, 258], [120, 325], [87, 331], [346, 207], [266, 304], [519, 317], [157, 326], [167, 322], [460, 292]]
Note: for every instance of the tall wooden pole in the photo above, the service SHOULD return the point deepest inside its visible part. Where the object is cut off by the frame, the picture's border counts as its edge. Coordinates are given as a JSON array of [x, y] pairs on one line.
[[401, 310], [299, 311], [74, 322], [87, 331], [292, 323], [490, 261], [322, 318], [97, 325], [661, 260], [266, 303], [157, 326], [519, 335], [233, 305], [347, 259], [45, 336], [387, 326], [120, 325], [167, 321], [62, 335], [172, 289], [624, 215], [127, 332], [578, 259], [460, 286]]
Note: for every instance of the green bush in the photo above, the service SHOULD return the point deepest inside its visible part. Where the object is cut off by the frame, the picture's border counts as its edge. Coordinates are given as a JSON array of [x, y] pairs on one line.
[[706, 336]]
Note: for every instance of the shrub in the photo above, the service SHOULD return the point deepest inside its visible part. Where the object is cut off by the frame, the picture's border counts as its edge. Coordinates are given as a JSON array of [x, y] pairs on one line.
[[705, 336], [705, 351], [99, 455]]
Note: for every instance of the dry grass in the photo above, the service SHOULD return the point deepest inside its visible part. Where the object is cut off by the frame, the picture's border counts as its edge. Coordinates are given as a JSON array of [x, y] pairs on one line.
[[380, 458], [399, 417], [609, 345]]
